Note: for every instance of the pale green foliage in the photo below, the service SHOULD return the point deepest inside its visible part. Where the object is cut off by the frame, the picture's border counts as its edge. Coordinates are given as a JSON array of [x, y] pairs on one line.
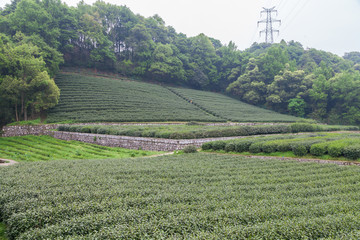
[[189, 196]]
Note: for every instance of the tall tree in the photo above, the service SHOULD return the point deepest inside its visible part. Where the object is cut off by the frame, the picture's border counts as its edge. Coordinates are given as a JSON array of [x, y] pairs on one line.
[[27, 83]]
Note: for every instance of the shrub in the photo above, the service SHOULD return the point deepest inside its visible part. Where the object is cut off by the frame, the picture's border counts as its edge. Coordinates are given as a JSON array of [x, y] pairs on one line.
[[94, 129], [269, 147], [207, 146], [284, 146], [63, 128], [218, 145], [230, 147], [243, 146], [352, 151], [335, 150], [73, 129], [319, 149], [101, 130], [300, 150], [190, 149], [304, 127], [85, 130], [256, 147]]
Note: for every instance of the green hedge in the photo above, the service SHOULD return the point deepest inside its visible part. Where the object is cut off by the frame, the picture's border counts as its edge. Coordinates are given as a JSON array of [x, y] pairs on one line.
[[352, 151], [201, 131], [336, 145]]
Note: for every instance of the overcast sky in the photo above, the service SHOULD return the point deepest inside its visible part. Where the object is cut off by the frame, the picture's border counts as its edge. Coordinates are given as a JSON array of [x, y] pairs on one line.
[[330, 25]]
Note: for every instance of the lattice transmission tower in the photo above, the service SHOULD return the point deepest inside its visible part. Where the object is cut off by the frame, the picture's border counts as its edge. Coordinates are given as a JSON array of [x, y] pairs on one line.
[[269, 30]]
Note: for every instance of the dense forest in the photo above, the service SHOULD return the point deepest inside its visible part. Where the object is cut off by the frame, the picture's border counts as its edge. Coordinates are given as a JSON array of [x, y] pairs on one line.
[[37, 37]]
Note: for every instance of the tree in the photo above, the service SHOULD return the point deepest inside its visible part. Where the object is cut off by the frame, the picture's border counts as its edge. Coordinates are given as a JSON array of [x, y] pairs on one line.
[[229, 64], [297, 107], [165, 65], [353, 56], [287, 86], [30, 18], [204, 57], [250, 86], [26, 82], [345, 98]]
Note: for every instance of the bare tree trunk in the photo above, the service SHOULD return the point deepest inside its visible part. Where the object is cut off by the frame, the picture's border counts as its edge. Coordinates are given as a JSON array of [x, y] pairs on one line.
[[25, 113], [16, 112], [22, 103]]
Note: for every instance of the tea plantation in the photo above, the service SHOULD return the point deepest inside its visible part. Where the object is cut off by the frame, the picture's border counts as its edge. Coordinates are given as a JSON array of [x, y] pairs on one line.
[[192, 196], [95, 99], [100, 99], [229, 108], [328, 145], [194, 130], [46, 148]]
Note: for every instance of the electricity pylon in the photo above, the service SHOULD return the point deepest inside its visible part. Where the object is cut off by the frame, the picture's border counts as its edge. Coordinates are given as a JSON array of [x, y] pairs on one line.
[[269, 31]]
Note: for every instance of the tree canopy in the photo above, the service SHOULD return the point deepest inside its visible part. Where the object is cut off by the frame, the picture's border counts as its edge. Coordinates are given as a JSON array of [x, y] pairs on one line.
[[43, 35]]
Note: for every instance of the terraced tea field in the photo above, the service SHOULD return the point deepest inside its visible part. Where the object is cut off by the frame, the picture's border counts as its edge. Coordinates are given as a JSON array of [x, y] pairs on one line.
[[96, 99], [193, 196], [45, 148], [101, 99], [231, 109]]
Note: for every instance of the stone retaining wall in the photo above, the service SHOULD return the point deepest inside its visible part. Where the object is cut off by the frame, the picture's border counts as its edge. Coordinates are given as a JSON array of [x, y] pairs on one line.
[[153, 144], [14, 131]]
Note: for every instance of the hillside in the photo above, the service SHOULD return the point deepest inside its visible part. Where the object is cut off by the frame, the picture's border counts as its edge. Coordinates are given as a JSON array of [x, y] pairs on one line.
[[231, 109], [95, 99]]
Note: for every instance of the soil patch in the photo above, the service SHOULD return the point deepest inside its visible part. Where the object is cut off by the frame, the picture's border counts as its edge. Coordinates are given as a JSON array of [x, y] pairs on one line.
[[7, 162]]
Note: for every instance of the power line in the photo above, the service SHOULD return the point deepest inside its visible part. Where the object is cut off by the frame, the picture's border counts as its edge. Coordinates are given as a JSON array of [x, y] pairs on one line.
[[292, 10], [253, 36], [269, 31], [279, 5], [296, 14]]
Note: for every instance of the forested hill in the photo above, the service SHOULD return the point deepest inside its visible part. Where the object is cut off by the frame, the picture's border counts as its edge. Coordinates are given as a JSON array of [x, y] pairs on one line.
[[37, 37]]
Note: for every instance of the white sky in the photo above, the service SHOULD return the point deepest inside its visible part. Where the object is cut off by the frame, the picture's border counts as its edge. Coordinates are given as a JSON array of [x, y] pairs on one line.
[[330, 25]]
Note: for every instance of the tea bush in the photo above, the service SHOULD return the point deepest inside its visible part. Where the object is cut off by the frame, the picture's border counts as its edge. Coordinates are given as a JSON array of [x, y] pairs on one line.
[[190, 149], [334, 144], [188, 196], [101, 99]]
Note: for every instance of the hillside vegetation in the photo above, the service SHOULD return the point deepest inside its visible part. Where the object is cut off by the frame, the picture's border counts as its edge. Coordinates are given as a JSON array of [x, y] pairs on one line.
[[193, 196], [99, 99], [40, 36]]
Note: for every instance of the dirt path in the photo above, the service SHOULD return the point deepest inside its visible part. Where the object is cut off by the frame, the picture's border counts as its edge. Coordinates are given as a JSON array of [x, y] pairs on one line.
[[159, 155], [7, 162]]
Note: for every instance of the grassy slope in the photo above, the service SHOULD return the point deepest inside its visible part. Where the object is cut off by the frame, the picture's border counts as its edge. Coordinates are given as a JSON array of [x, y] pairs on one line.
[[184, 197], [45, 148], [231, 109], [90, 99]]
